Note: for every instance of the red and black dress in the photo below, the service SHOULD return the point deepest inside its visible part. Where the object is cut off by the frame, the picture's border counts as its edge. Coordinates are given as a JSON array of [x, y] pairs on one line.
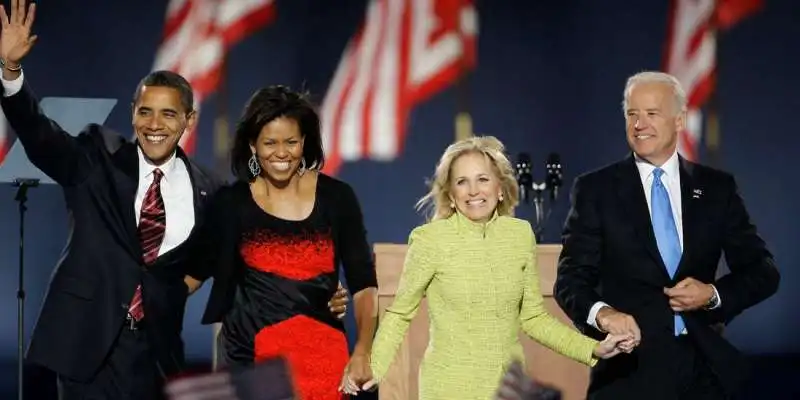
[[287, 271]]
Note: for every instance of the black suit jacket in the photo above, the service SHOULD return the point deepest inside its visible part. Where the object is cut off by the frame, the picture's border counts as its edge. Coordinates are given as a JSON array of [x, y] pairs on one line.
[[89, 292], [610, 254]]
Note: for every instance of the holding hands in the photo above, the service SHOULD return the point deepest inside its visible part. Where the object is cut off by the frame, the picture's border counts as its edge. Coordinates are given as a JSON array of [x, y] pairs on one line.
[[687, 295], [613, 345], [619, 326], [357, 375]]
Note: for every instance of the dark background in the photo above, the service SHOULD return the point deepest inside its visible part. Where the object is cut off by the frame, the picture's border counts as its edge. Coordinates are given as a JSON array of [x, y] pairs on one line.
[[549, 79]]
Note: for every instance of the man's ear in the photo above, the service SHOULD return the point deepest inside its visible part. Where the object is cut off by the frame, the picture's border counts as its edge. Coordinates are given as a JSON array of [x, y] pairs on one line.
[[680, 121], [191, 119], [133, 112]]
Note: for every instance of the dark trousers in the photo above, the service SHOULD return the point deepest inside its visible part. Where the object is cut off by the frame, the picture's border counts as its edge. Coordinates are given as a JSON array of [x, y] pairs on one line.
[[694, 377], [681, 373], [129, 372]]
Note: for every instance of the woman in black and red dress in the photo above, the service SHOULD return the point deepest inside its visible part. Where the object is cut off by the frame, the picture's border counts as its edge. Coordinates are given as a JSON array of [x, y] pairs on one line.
[[274, 240]]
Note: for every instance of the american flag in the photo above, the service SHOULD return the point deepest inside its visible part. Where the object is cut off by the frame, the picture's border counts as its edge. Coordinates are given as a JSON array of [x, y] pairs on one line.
[[691, 54], [405, 51], [266, 380], [5, 140], [197, 33], [517, 385]]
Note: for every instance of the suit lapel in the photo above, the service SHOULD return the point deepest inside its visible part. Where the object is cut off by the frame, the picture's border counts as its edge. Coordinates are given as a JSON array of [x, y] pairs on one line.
[[199, 187], [634, 203], [690, 194], [127, 161]]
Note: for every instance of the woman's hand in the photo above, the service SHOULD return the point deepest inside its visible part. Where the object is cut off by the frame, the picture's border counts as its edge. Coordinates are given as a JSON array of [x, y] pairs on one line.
[[356, 374], [611, 346]]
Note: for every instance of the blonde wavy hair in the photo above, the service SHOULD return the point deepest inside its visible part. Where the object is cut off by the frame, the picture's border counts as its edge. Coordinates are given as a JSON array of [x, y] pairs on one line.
[[438, 199]]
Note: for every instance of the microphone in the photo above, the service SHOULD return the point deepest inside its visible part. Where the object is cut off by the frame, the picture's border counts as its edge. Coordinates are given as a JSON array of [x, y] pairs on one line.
[[23, 184], [554, 176], [524, 178], [30, 182]]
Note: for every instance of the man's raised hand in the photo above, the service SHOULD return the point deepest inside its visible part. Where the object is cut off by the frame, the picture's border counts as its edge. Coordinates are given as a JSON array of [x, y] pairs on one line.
[[16, 40]]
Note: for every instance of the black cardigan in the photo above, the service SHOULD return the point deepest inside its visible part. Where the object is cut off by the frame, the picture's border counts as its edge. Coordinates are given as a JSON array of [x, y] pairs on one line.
[[215, 245]]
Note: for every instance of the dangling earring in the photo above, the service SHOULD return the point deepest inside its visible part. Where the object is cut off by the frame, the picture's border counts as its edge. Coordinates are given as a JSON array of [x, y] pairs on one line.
[[255, 167], [302, 170], [452, 205], [501, 197]]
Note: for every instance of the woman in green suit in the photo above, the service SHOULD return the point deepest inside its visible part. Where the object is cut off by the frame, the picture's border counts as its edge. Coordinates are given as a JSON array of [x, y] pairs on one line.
[[476, 264]]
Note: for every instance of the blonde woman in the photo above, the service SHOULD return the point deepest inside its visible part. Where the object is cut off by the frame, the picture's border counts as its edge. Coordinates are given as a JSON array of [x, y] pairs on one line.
[[477, 266]]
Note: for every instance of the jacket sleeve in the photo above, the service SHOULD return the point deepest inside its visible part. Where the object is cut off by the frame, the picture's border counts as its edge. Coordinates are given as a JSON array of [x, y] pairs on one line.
[[418, 271], [537, 323], [64, 158], [578, 276], [356, 255], [753, 275]]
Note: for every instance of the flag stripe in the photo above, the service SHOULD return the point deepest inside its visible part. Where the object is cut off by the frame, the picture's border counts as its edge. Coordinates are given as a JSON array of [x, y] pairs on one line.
[[331, 107], [5, 143], [371, 122], [383, 128], [352, 118], [690, 57], [238, 19]]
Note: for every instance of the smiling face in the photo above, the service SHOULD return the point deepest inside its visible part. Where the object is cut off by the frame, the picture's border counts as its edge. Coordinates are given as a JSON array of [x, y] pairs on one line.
[[279, 149], [652, 121], [474, 186], [159, 121]]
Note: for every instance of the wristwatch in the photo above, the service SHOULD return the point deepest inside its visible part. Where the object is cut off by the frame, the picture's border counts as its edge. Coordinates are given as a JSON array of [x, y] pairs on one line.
[[713, 302]]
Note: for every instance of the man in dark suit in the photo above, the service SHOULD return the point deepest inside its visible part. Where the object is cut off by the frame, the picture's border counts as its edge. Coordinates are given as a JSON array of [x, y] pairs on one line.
[[641, 247], [110, 325]]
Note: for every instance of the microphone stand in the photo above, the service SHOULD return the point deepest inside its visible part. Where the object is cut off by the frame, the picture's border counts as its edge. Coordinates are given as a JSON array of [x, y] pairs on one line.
[[542, 212], [22, 197], [529, 187], [538, 203]]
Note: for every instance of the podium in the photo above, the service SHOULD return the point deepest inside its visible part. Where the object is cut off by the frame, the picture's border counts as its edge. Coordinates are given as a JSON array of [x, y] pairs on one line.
[[544, 365]]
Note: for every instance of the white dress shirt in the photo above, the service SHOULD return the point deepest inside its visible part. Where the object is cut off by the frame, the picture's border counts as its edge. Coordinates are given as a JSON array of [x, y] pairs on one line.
[[176, 188], [672, 181], [178, 195]]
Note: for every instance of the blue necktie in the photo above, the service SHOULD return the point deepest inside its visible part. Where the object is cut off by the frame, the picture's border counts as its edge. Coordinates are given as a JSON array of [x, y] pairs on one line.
[[666, 232]]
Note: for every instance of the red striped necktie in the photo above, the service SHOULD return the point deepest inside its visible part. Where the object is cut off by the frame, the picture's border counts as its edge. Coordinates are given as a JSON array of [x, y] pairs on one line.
[[152, 224]]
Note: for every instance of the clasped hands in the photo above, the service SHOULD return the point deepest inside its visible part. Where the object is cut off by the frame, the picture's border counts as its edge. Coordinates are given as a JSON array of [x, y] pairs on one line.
[[357, 375], [623, 331]]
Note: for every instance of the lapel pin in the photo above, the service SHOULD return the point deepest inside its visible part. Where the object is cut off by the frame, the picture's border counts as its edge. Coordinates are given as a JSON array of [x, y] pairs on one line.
[[202, 193], [696, 193]]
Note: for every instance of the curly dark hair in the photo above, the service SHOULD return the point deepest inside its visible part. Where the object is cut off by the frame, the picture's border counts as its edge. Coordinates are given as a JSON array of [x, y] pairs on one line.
[[264, 106]]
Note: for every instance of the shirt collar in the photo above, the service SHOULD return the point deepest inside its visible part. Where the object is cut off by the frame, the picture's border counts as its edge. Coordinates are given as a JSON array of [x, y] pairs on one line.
[[671, 167], [146, 169]]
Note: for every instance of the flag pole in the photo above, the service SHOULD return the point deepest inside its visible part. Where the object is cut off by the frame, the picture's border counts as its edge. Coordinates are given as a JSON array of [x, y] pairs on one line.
[[463, 119], [712, 136], [221, 126], [221, 156]]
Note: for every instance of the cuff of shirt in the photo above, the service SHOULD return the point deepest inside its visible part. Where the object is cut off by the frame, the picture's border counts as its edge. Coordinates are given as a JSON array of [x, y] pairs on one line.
[[13, 87], [592, 319]]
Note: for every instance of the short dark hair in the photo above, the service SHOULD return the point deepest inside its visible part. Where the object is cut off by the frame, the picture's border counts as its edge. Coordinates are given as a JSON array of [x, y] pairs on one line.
[[266, 105], [171, 80]]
